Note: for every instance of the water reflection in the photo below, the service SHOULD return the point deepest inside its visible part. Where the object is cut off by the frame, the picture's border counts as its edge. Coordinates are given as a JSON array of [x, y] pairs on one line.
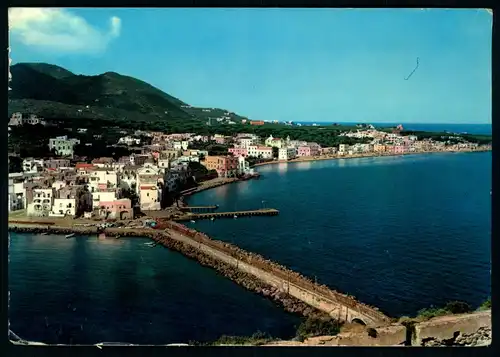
[[282, 168], [305, 165]]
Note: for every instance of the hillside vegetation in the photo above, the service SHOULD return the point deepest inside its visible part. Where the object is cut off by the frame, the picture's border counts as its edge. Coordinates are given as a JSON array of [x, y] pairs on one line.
[[53, 92]]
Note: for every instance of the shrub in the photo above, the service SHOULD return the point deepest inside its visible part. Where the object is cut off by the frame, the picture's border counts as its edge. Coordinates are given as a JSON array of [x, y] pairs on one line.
[[371, 332], [318, 326], [458, 307], [485, 305]]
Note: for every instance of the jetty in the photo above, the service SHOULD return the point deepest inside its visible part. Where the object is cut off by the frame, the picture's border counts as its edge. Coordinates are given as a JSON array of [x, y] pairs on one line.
[[199, 208], [235, 214], [296, 293]]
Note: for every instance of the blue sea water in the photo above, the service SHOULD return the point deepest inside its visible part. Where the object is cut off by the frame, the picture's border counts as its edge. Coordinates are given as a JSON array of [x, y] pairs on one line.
[[400, 233], [85, 290], [484, 129]]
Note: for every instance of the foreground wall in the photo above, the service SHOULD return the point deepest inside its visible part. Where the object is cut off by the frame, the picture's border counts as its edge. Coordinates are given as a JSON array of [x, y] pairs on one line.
[[471, 330]]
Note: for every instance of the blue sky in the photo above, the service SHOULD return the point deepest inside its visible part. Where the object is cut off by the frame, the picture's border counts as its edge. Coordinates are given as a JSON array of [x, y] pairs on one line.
[[281, 64]]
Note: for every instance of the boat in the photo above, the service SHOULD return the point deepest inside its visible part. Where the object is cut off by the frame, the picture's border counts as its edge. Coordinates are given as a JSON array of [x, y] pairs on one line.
[[150, 244], [212, 219], [44, 233], [192, 221], [235, 216], [70, 235]]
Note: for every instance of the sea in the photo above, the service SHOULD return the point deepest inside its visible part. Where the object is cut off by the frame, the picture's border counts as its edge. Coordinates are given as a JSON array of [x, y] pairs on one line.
[[399, 233], [479, 129]]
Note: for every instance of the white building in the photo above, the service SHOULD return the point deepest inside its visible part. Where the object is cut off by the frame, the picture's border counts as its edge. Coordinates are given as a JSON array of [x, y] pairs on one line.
[[128, 140], [103, 196], [264, 152], [149, 194], [18, 119], [244, 166], [17, 193], [63, 146], [177, 145], [163, 164], [274, 142], [32, 165], [42, 202], [287, 153], [63, 207], [102, 178], [247, 141]]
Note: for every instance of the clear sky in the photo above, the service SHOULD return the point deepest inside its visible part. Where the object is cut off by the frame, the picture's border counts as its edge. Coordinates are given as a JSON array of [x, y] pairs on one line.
[[281, 64]]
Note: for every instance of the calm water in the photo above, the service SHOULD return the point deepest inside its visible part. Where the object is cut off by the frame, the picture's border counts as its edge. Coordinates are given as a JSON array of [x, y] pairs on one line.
[[401, 233], [453, 128], [84, 290]]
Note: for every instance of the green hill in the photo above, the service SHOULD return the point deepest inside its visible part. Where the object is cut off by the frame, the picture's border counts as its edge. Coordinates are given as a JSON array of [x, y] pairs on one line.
[[56, 93]]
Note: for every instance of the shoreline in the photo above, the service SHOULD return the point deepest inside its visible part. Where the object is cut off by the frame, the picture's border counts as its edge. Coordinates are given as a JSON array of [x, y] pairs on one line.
[[226, 181], [363, 155]]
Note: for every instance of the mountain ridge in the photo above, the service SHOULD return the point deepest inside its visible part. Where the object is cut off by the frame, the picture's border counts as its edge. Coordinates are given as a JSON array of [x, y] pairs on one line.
[[54, 92]]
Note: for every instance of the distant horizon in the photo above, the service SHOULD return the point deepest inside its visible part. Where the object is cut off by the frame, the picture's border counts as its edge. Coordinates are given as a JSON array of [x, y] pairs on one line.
[[392, 122], [298, 63]]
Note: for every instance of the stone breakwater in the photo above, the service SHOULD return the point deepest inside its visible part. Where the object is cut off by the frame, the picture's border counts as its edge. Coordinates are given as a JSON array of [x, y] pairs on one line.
[[287, 302], [296, 292], [279, 271]]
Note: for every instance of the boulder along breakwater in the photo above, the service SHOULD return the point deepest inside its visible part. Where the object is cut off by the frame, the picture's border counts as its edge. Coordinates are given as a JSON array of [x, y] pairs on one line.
[[294, 292]]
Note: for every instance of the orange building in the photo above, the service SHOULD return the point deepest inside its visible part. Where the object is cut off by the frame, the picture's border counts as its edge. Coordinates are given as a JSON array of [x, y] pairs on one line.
[[256, 122], [226, 166]]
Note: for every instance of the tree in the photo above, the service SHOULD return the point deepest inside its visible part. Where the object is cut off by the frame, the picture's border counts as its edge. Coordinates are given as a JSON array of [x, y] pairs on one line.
[[131, 195], [15, 164]]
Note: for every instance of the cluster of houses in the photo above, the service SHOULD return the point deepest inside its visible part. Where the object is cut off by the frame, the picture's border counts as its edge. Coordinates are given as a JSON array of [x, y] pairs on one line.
[[379, 142], [63, 186]]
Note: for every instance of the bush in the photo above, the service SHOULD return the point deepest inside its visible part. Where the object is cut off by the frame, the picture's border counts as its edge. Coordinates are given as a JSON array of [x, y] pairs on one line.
[[371, 332], [453, 307], [318, 326], [486, 305], [258, 338], [458, 307]]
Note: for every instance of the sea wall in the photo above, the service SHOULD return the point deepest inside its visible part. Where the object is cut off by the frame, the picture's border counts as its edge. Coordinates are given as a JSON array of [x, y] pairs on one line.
[[456, 330], [337, 305], [295, 292], [468, 330], [289, 303]]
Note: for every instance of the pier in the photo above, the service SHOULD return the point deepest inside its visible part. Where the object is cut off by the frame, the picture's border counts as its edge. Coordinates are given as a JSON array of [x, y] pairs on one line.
[[235, 214], [199, 208], [296, 293]]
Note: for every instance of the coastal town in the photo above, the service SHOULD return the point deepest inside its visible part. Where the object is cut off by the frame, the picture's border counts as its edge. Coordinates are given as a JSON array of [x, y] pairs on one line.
[[104, 188]]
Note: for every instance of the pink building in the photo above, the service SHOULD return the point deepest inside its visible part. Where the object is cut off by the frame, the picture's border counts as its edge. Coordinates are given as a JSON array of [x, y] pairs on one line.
[[303, 151], [118, 209], [308, 150], [239, 151], [400, 149]]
